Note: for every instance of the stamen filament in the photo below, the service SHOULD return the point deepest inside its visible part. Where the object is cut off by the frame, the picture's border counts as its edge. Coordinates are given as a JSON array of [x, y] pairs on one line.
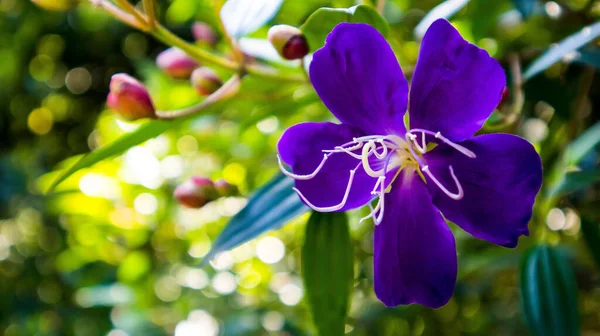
[[334, 207], [367, 149], [439, 135], [455, 196], [302, 177]]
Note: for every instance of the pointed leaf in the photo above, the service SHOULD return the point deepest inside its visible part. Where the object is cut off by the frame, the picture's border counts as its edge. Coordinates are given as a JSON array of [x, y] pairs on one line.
[[327, 270], [241, 17], [583, 144], [445, 10], [320, 23], [145, 132], [525, 7], [588, 57], [268, 209], [566, 46], [548, 293], [575, 181], [590, 230]]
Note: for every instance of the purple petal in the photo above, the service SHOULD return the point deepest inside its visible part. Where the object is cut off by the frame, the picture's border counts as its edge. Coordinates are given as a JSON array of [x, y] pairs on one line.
[[301, 146], [414, 250], [456, 85], [499, 185], [357, 76]]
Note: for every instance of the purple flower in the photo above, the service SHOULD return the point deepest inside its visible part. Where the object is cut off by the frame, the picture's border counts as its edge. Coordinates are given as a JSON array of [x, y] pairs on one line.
[[413, 167]]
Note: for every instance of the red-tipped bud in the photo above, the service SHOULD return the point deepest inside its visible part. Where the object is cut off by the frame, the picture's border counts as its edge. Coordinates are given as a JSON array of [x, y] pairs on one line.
[[129, 98], [205, 81], [204, 34], [224, 188], [196, 192], [176, 63], [55, 5], [504, 99], [289, 41]]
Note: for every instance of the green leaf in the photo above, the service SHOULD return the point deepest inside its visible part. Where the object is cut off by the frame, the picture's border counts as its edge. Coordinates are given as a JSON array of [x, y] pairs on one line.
[[321, 22], [268, 209], [328, 270], [525, 7], [575, 181], [583, 144], [147, 131], [445, 10], [563, 48], [548, 293], [590, 231], [589, 57]]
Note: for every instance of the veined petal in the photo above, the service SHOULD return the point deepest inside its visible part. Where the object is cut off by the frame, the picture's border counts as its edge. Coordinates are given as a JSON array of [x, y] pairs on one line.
[[357, 76], [414, 250], [499, 186], [301, 146], [456, 85]]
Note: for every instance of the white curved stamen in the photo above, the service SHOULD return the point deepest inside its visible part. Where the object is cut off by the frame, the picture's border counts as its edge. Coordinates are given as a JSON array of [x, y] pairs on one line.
[[345, 150], [377, 212], [439, 135], [379, 216], [334, 207], [383, 153], [423, 147], [367, 149], [302, 177], [455, 196]]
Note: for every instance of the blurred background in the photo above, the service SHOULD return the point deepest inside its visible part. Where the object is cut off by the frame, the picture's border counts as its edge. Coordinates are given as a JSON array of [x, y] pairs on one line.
[[109, 252]]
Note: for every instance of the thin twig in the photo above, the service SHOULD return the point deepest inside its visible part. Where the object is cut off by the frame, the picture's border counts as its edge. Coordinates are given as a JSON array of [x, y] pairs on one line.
[[129, 8], [119, 14], [150, 9], [380, 6], [228, 90]]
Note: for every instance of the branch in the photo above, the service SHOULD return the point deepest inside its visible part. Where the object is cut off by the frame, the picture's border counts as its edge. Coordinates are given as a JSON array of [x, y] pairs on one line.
[[150, 8], [119, 14], [228, 90]]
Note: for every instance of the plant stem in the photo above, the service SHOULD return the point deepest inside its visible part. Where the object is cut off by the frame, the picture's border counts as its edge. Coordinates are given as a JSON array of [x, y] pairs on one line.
[[228, 90], [205, 57], [129, 8], [169, 38], [119, 14], [165, 36], [150, 9]]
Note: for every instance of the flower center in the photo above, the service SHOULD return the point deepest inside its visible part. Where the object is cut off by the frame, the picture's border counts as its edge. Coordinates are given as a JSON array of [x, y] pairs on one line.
[[380, 155]]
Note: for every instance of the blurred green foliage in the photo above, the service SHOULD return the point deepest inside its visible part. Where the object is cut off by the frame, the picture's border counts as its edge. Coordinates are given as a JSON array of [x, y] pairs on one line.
[[109, 252]]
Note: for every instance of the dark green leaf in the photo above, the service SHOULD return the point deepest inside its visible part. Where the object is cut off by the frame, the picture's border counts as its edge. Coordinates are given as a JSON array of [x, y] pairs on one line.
[[575, 181], [563, 48], [320, 23], [589, 57], [268, 209], [583, 144], [548, 293], [445, 10], [525, 7], [327, 270], [146, 131], [591, 235]]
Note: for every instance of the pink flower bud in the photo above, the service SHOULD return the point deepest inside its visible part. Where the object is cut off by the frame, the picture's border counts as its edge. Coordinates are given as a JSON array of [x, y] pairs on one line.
[[203, 33], [205, 81], [176, 63], [289, 41], [129, 98], [224, 188], [196, 192], [504, 99]]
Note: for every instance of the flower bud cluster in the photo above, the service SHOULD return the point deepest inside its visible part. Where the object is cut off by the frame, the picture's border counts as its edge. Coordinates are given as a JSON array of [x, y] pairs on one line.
[[198, 191]]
